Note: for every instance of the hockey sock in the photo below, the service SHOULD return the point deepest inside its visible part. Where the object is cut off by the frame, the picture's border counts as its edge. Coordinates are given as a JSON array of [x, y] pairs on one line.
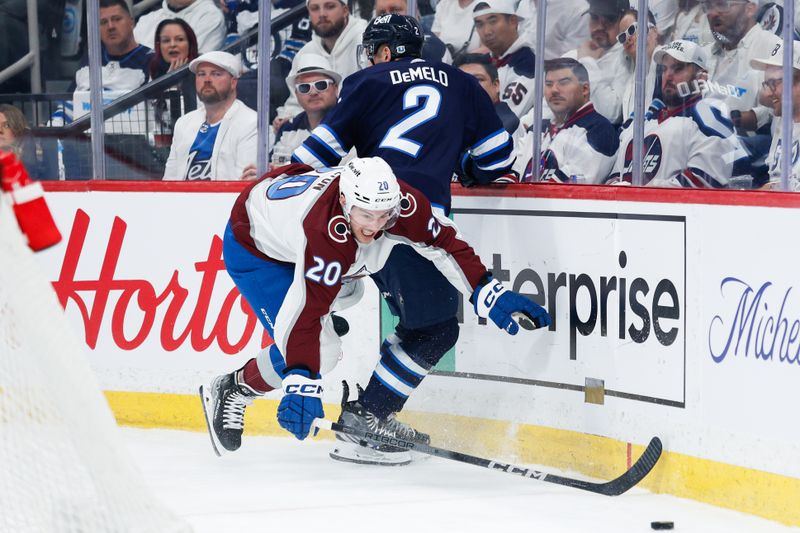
[[404, 363], [250, 376]]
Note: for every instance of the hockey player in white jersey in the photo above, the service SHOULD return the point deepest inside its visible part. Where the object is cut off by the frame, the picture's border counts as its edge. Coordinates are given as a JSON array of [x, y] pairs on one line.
[[689, 141], [772, 89], [297, 244]]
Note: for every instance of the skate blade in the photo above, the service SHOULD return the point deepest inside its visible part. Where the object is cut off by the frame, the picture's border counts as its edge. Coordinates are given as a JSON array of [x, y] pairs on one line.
[[353, 453], [208, 412]]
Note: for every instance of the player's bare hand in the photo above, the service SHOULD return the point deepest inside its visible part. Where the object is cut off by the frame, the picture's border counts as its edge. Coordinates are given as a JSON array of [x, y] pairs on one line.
[[249, 173]]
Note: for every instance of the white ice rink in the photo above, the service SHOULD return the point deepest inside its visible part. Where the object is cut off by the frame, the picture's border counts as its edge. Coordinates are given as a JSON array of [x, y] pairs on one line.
[[280, 484]]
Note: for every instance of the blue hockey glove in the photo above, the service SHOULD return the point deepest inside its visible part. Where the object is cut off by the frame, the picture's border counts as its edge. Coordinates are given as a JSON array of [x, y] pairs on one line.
[[499, 304], [301, 402]]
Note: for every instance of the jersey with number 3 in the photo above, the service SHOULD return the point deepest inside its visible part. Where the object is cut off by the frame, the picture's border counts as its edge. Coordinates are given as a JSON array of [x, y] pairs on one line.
[[293, 216], [418, 116]]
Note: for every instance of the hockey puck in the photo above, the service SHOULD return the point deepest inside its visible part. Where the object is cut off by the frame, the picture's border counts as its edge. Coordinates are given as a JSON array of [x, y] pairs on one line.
[[662, 525], [340, 325]]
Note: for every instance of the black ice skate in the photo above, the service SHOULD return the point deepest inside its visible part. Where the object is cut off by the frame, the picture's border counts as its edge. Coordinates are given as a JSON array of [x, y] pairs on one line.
[[357, 416], [224, 402]]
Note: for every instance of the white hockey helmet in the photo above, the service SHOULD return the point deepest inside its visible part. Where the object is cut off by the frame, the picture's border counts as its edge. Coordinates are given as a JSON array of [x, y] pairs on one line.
[[369, 183]]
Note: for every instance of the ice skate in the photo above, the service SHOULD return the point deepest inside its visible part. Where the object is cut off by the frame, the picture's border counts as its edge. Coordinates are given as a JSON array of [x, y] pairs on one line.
[[349, 449], [224, 402]]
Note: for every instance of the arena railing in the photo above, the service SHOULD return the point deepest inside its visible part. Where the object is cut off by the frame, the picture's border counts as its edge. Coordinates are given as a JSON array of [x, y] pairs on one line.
[[137, 126]]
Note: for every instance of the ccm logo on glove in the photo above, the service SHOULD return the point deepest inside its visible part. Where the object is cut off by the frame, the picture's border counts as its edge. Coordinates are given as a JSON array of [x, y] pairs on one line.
[[493, 290], [301, 402], [500, 305], [305, 389]]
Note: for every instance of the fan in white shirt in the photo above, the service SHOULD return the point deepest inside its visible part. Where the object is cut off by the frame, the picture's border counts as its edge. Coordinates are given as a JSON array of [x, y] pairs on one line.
[[738, 40], [772, 66], [603, 57]]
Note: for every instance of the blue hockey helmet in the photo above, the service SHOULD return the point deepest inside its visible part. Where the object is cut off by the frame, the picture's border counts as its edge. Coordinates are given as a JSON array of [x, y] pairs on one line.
[[401, 33]]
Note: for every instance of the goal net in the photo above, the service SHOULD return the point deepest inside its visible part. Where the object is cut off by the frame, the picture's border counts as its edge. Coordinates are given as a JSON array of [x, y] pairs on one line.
[[62, 465]]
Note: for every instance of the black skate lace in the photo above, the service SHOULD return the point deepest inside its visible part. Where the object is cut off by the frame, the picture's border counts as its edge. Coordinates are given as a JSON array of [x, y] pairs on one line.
[[233, 410]]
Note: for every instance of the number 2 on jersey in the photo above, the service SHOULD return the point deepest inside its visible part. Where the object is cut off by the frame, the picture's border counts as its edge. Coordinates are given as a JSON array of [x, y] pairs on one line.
[[428, 99]]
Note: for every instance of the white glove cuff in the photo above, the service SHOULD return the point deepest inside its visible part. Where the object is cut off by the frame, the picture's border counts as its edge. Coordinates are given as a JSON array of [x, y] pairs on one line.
[[487, 297]]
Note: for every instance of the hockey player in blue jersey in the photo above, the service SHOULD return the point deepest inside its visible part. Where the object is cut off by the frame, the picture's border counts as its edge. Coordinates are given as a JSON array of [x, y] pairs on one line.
[[420, 117], [427, 120]]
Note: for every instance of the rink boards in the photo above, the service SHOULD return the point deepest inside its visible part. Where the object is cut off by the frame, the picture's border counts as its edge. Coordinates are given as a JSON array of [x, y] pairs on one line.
[[675, 315]]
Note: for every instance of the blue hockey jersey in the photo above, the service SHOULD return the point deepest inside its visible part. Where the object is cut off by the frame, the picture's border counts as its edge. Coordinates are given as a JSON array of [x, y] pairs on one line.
[[421, 118]]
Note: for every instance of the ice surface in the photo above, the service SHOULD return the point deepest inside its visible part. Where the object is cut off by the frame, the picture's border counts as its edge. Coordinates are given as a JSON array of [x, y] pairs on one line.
[[280, 484]]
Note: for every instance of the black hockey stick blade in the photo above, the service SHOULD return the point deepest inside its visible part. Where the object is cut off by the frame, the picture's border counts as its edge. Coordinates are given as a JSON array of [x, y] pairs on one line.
[[523, 320], [615, 487]]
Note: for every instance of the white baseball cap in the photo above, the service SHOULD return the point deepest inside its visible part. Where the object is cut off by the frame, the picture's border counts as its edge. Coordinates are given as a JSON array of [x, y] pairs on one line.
[[685, 51], [775, 58], [224, 60], [488, 7], [311, 63]]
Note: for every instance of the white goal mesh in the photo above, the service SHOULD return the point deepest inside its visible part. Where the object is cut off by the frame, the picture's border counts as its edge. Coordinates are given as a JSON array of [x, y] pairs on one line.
[[62, 467]]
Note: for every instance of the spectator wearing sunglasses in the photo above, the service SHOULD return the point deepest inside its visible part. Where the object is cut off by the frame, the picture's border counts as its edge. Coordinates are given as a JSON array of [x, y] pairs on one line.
[[316, 87], [218, 141], [602, 56], [627, 37], [336, 37], [738, 40]]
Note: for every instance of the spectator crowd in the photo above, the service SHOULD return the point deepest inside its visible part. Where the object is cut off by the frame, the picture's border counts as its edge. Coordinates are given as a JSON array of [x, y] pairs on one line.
[[713, 83]]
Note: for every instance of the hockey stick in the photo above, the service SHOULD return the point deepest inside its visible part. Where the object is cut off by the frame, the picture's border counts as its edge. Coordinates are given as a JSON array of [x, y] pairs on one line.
[[615, 487]]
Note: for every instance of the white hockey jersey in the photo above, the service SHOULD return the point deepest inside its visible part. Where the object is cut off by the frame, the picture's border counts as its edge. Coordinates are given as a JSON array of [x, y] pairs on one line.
[[293, 216], [774, 159], [585, 146], [515, 71], [692, 145]]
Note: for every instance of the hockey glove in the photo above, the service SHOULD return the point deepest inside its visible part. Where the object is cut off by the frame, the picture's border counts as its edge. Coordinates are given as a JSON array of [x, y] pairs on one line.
[[492, 300], [301, 402], [464, 172]]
